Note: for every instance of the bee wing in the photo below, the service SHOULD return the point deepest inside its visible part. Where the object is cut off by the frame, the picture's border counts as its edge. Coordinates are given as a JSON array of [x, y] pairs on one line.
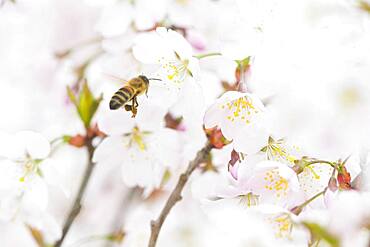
[[116, 78]]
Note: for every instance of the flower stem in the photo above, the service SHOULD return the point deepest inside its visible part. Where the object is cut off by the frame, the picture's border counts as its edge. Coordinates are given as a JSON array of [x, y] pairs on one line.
[[312, 198], [298, 209], [321, 161], [81, 191], [175, 195], [200, 56]]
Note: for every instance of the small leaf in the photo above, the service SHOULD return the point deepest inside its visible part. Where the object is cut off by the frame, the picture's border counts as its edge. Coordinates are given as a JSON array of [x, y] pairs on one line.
[[318, 232], [86, 104], [244, 62], [71, 96]]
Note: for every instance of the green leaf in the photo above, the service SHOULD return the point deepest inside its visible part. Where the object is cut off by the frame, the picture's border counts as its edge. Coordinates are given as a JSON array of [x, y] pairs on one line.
[[71, 96], [244, 62], [86, 105], [318, 232]]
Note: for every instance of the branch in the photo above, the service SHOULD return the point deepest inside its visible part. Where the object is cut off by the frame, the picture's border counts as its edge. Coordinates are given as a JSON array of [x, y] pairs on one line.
[[175, 196], [77, 203]]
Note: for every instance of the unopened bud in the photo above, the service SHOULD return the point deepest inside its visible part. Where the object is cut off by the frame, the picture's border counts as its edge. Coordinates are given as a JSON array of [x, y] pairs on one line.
[[77, 141], [296, 210], [297, 168], [332, 184]]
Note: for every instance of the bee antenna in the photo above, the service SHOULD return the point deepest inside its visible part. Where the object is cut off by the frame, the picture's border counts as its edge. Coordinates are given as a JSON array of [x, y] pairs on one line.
[[154, 79]]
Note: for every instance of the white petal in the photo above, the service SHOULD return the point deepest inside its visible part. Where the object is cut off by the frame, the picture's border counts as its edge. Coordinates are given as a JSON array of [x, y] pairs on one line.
[[56, 173], [213, 116], [8, 177], [250, 140], [141, 169], [116, 122], [36, 145], [150, 48], [177, 42], [111, 151], [35, 198], [6, 145], [115, 19], [150, 115], [190, 103], [165, 145]]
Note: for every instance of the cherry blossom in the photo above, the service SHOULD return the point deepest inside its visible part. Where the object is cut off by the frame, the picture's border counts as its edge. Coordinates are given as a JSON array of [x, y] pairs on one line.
[[137, 145], [241, 118], [170, 52], [26, 172]]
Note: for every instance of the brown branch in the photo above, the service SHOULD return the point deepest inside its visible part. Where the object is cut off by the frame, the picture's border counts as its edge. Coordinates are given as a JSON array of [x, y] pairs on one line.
[[175, 196], [77, 203]]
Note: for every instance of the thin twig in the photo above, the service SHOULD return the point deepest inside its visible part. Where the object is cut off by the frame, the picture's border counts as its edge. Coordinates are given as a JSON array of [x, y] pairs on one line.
[[119, 219], [175, 196], [77, 203]]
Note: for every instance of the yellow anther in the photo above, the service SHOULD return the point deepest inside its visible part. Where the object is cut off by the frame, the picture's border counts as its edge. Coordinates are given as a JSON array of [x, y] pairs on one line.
[[137, 137], [241, 109]]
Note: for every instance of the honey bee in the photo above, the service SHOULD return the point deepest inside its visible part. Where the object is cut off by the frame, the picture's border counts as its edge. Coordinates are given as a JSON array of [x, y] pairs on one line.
[[128, 93]]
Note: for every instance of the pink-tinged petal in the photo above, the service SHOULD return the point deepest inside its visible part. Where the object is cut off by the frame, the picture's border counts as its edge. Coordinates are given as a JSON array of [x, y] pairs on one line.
[[197, 40], [234, 170], [35, 144], [329, 197], [271, 185]]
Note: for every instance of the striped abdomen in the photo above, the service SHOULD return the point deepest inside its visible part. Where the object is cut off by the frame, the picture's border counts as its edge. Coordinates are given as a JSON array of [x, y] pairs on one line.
[[121, 97]]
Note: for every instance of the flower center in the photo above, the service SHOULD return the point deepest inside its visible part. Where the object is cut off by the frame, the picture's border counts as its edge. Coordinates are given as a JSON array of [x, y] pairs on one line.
[[176, 69], [277, 150], [137, 137], [241, 109], [276, 183], [249, 199], [29, 166], [283, 225]]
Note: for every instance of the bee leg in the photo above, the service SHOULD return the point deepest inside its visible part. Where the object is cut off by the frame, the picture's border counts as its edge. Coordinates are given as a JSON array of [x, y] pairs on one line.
[[133, 107], [146, 93]]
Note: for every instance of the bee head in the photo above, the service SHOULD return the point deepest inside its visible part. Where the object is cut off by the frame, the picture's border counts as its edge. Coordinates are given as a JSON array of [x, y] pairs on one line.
[[144, 78]]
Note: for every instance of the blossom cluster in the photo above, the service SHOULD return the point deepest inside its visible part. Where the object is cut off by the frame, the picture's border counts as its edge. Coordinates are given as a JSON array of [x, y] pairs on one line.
[[258, 110]]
